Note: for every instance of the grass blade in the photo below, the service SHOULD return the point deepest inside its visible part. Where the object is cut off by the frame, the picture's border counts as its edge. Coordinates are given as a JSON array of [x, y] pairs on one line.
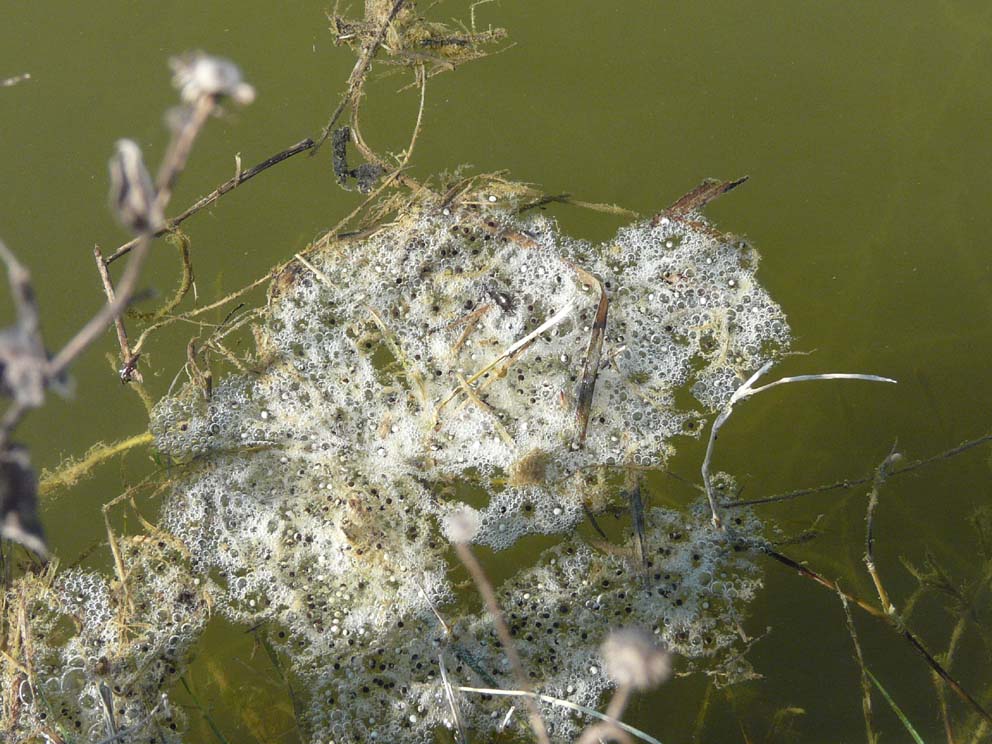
[[895, 708]]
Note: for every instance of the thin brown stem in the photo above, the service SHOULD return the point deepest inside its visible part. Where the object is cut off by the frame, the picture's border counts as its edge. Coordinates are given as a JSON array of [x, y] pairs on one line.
[[356, 80], [488, 594], [105, 315], [128, 370], [908, 635], [881, 474], [229, 185]]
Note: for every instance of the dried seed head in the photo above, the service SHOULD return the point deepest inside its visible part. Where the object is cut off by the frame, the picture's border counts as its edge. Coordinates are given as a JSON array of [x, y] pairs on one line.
[[196, 75], [132, 196], [461, 525], [633, 659]]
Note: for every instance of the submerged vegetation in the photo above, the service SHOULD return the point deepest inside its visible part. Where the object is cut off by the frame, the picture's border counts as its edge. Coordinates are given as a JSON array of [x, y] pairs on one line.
[[443, 376]]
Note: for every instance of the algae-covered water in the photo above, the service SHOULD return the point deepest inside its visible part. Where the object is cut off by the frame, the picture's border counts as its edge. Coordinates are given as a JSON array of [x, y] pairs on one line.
[[863, 129]]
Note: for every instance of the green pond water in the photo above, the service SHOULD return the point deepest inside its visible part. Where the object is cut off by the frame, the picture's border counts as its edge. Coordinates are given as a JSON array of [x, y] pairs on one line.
[[864, 129]]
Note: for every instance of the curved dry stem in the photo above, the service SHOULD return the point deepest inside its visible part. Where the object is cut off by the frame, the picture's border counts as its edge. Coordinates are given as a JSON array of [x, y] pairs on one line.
[[356, 80], [748, 390]]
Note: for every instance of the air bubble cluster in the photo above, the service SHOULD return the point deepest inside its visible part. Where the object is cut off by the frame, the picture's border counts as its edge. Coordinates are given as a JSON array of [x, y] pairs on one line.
[[424, 384], [458, 343], [98, 657]]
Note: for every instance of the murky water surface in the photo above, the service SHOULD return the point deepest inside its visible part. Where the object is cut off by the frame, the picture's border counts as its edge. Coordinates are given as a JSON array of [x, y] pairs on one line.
[[864, 131]]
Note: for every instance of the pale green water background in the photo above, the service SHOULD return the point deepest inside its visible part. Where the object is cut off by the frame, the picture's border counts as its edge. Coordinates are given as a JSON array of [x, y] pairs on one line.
[[864, 128]]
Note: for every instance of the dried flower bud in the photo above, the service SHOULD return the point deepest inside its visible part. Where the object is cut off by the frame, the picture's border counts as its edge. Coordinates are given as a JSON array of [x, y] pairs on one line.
[[196, 75], [132, 196], [632, 659], [461, 525]]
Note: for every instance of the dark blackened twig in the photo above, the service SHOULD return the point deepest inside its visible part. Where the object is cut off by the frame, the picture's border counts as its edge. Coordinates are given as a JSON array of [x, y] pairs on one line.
[[213, 196]]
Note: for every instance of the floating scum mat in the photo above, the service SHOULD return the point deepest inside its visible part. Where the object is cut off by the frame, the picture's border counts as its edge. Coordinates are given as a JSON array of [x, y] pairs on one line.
[[457, 349]]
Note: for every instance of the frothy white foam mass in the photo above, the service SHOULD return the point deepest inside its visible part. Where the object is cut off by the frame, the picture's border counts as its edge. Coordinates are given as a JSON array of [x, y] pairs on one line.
[[428, 383]]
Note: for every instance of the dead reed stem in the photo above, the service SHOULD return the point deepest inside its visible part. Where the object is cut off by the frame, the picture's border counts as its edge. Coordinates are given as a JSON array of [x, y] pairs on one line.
[[128, 369]]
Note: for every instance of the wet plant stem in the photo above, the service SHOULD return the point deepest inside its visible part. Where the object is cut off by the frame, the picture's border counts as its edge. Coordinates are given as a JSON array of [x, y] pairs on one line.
[[881, 474], [893, 622], [206, 201], [870, 733]]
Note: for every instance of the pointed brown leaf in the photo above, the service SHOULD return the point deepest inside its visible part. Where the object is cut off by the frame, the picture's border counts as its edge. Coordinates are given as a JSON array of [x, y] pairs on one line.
[[699, 197]]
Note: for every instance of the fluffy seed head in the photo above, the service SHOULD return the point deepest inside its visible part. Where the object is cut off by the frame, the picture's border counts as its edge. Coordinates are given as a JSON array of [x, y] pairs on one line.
[[196, 75], [633, 659]]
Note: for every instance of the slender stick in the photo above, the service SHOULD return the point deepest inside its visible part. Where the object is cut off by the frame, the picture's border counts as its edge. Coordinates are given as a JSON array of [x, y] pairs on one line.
[[881, 474], [217, 193], [357, 78], [485, 588], [98, 323], [860, 481], [128, 370], [866, 708]]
